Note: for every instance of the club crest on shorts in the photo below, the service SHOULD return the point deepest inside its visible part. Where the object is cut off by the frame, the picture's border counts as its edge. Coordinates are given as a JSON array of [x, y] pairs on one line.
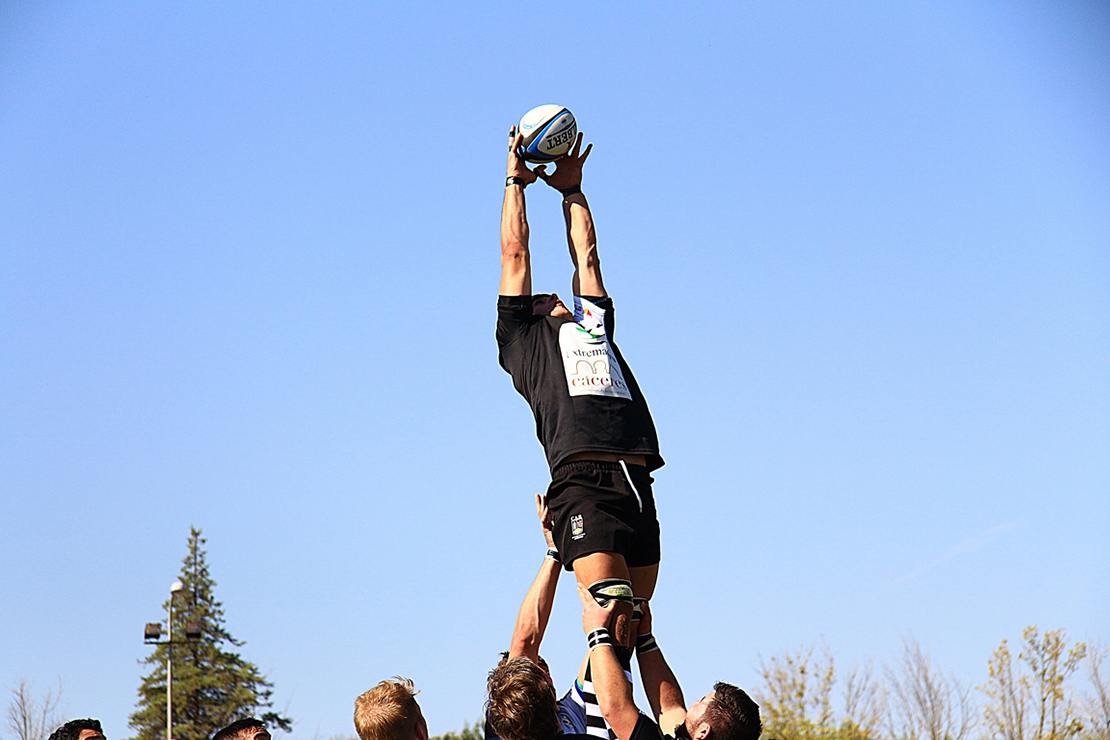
[[577, 528]]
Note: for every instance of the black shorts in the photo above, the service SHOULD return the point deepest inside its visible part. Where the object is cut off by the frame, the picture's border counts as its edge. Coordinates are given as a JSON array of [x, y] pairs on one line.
[[597, 509]]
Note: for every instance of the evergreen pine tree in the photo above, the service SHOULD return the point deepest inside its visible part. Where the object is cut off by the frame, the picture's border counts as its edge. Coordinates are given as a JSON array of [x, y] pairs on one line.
[[212, 687]]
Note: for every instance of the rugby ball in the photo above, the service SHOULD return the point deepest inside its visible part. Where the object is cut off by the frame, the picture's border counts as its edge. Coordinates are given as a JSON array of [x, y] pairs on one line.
[[548, 131]]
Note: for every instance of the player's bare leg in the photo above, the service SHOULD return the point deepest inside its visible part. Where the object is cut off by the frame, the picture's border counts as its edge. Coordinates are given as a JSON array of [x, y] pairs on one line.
[[643, 580], [599, 566], [643, 587]]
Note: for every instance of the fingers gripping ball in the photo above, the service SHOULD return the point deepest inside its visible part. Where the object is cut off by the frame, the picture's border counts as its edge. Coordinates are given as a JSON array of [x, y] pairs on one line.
[[549, 133]]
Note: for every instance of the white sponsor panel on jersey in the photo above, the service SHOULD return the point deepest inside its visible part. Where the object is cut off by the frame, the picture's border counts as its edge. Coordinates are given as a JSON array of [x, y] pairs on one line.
[[590, 364]]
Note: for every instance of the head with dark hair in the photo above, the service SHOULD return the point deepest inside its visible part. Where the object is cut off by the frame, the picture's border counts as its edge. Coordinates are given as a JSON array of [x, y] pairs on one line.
[[247, 728], [79, 729], [727, 713], [548, 304], [521, 701]]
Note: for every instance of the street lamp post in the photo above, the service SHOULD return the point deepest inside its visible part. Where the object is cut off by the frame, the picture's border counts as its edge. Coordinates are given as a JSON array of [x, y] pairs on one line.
[[152, 635], [174, 590]]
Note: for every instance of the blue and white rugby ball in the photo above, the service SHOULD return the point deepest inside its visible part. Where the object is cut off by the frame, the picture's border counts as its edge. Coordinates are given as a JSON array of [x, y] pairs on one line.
[[549, 133]]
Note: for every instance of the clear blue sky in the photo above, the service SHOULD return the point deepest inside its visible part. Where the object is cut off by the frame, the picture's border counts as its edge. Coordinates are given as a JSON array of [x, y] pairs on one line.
[[248, 263]]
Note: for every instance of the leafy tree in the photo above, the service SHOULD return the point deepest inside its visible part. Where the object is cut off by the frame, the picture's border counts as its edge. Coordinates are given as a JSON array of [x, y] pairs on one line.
[[468, 732], [1007, 697], [864, 705], [796, 699], [1033, 704], [212, 686]]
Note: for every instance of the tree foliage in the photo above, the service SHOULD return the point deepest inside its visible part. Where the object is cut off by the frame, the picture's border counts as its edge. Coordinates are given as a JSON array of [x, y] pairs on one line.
[[1030, 701], [212, 684], [1028, 696], [796, 699], [469, 732]]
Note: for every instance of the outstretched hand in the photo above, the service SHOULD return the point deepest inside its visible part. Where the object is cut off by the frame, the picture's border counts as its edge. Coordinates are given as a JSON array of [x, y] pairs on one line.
[[546, 520], [568, 169], [645, 621], [593, 615], [517, 166]]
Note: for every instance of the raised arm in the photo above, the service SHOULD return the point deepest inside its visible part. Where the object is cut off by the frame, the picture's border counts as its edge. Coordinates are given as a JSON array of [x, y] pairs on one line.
[[614, 692], [516, 270], [660, 685], [535, 610], [581, 238]]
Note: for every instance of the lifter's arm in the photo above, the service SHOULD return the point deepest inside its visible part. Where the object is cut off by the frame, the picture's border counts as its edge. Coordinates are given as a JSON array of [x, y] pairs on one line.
[[535, 610], [660, 685], [516, 270], [581, 237], [614, 692]]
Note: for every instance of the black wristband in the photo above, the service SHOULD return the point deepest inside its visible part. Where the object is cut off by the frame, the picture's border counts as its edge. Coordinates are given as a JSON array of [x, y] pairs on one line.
[[514, 180], [600, 636], [573, 189], [645, 643], [553, 554]]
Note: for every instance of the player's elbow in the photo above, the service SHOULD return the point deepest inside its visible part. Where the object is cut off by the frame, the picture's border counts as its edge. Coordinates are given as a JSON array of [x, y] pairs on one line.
[[514, 247], [585, 257], [621, 716], [615, 707], [514, 261], [584, 239], [524, 647]]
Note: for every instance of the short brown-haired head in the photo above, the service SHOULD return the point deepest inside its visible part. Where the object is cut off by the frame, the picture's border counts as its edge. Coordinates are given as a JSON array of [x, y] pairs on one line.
[[389, 712], [728, 714], [521, 702]]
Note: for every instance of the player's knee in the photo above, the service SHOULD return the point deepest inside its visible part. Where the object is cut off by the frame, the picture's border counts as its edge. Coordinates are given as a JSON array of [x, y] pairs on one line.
[[638, 608], [619, 592], [611, 589]]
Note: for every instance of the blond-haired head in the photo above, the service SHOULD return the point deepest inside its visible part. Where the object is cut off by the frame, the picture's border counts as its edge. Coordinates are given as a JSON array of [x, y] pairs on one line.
[[389, 712]]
